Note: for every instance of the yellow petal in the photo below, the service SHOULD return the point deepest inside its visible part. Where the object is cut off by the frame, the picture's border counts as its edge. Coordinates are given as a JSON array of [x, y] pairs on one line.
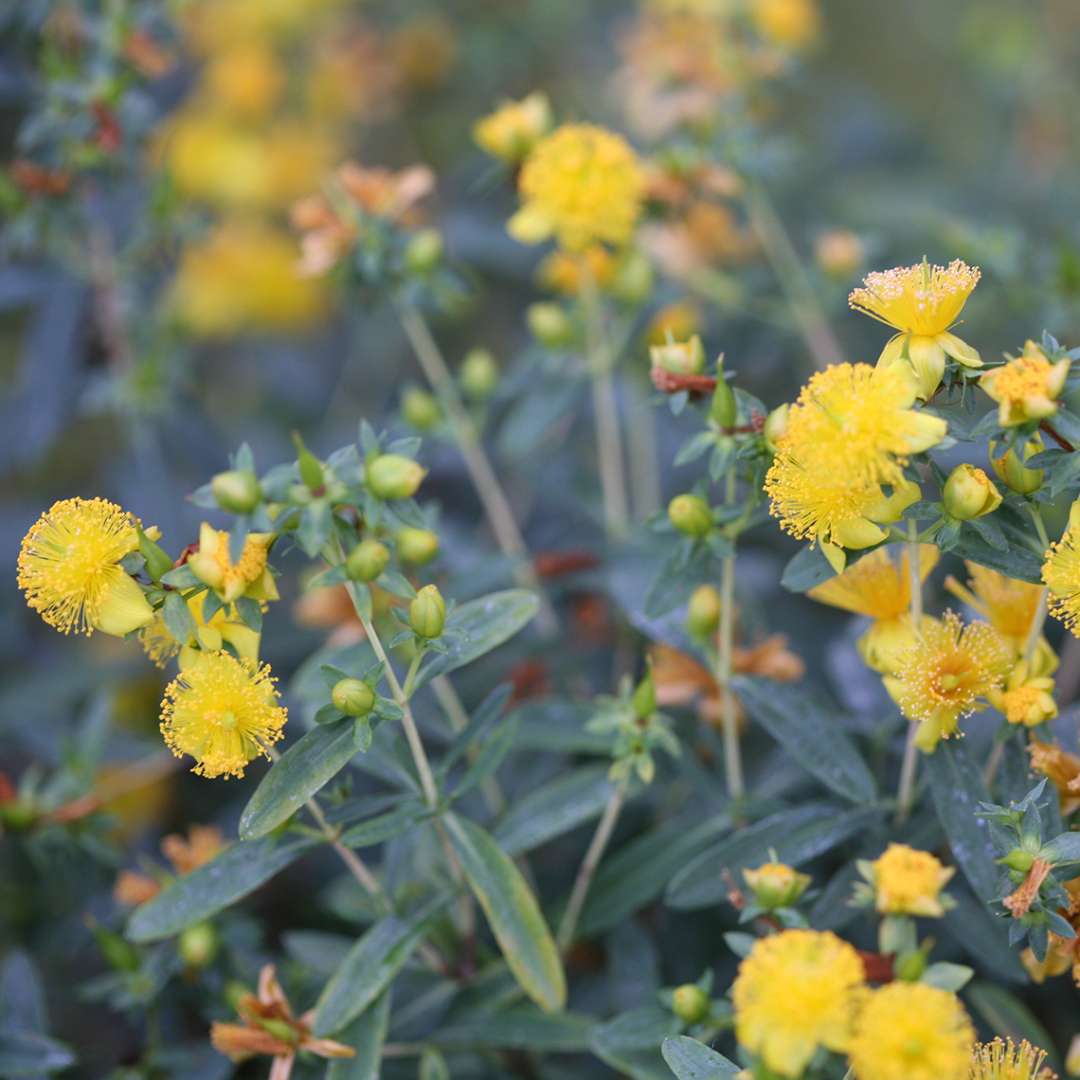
[[858, 533], [123, 605], [530, 225], [959, 350], [928, 362], [927, 431]]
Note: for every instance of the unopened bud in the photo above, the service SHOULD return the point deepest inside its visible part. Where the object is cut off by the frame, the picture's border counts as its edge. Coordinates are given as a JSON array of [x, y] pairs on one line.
[[236, 491], [353, 697], [703, 614], [1012, 470], [367, 560], [234, 992], [311, 470], [679, 357], [690, 514], [690, 1003], [479, 374], [393, 476], [420, 408], [723, 410], [910, 966], [969, 493], [427, 612], [776, 885], [549, 324], [424, 251], [644, 700], [198, 945], [1019, 860], [417, 546], [775, 426]]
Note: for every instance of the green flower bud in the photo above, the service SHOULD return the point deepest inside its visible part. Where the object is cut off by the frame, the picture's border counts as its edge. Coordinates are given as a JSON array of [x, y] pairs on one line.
[[198, 945], [644, 700], [236, 491], [679, 357], [723, 410], [1019, 860], [969, 493], [703, 614], [424, 251], [280, 1029], [417, 546], [633, 279], [234, 991], [549, 324], [427, 612], [775, 426], [367, 560], [479, 374], [311, 470], [909, 966], [690, 514], [392, 476], [353, 697], [690, 1003], [420, 409], [1012, 470]]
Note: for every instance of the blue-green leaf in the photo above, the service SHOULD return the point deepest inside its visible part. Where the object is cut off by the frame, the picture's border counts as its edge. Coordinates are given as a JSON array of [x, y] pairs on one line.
[[689, 1059]]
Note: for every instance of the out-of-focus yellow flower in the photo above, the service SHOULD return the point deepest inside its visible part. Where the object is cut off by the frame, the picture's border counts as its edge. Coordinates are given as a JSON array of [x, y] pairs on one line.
[[949, 671], [224, 627], [839, 252], [675, 322], [776, 885], [1061, 573], [246, 79], [582, 185], [922, 302], [213, 25], [1027, 697], [794, 24], [565, 271], [879, 588], [424, 50], [223, 712], [249, 576], [1009, 605], [515, 127], [909, 882], [849, 433], [797, 990], [1002, 1059], [911, 1031], [69, 568], [1026, 388], [1061, 768]]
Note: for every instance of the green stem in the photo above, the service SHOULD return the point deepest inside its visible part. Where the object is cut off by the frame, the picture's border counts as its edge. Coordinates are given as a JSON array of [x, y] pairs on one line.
[[909, 767], [733, 769]]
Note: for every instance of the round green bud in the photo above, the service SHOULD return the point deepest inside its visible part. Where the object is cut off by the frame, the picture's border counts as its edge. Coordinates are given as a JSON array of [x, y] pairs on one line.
[[909, 966], [549, 324], [775, 425], [198, 945], [723, 410], [417, 546], [353, 697], [424, 251], [703, 613], [427, 612], [367, 560], [633, 279], [690, 514], [236, 491], [479, 374], [690, 1003], [420, 409], [969, 493], [1019, 860], [393, 476], [17, 815], [1012, 469]]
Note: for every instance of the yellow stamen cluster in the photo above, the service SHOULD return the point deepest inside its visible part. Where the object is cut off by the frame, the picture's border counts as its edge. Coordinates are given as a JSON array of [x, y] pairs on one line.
[[847, 437], [223, 712], [909, 882], [581, 184], [911, 1031], [1026, 388], [1002, 1059], [69, 568], [947, 674], [1061, 573], [797, 990]]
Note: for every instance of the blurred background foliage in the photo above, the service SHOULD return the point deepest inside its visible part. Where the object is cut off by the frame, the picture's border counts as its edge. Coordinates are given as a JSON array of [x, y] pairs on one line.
[[154, 322]]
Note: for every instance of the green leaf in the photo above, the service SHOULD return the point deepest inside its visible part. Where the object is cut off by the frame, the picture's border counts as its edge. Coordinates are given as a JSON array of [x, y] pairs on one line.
[[554, 809], [385, 826], [178, 619], [522, 1027], [946, 976], [26, 1053], [370, 966], [479, 626], [512, 913], [1063, 849], [805, 728], [309, 764], [689, 1059], [956, 785], [807, 568], [630, 1043], [214, 886], [797, 835], [366, 1035], [492, 751], [1006, 1015]]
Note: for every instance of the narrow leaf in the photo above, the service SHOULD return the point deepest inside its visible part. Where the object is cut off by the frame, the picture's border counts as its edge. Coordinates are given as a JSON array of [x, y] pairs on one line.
[[366, 1035], [689, 1059]]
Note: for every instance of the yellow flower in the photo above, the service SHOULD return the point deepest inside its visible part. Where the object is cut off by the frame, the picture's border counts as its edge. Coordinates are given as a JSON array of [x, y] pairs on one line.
[[947, 674], [1061, 573], [1009, 605], [909, 882], [922, 302], [564, 271], [69, 568], [513, 129], [796, 991], [791, 23], [222, 711], [776, 884], [224, 626], [847, 436], [1027, 697], [1061, 768], [246, 78], [581, 184], [1003, 1059], [212, 564], [911, 1031], [879, 587], [1026, 388], [969, 493]]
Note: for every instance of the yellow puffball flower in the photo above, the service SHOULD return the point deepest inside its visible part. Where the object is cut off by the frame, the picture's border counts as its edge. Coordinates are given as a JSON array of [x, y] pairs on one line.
[[948, 673], [911, 1031], [246, 78], [794, 24], [1009, 605], [909, 882], [776, 885], [224, 627], [582, 185], [1061, 573], [223, 712], [1002, 1059], [797, 990], [1026, 388], [848, 434], [1027, 697], [922, 302], [69, 568], [249, 576], [513, 129], [564, 272], [878, 587]]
